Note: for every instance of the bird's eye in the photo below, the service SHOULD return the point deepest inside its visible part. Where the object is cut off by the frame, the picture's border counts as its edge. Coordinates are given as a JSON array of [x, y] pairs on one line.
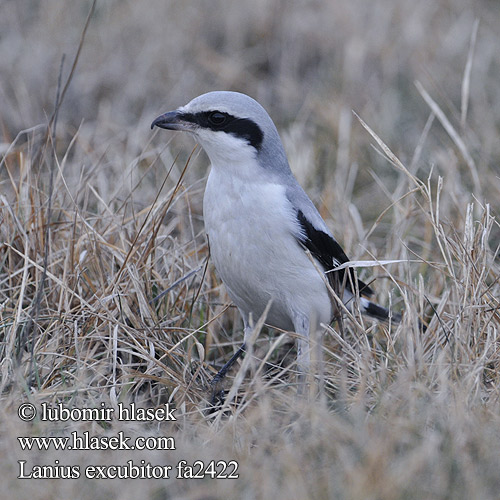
[[217, 118]]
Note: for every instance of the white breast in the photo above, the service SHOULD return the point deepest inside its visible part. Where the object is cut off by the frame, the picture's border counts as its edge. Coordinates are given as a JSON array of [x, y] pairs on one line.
[[251, 227]]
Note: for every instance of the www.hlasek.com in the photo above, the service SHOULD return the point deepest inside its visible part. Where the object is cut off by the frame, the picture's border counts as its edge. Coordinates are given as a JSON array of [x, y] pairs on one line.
[[219, 469], [86, 441]]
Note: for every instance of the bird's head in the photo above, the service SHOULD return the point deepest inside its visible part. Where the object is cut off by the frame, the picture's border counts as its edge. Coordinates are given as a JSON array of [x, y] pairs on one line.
[[231, 127]]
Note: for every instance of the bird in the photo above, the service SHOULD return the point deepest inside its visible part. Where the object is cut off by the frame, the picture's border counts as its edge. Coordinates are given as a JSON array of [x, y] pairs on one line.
[[271, 248]]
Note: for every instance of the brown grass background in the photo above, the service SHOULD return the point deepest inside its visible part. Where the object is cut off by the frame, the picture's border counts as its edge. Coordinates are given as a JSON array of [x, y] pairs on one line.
[[99, 215]]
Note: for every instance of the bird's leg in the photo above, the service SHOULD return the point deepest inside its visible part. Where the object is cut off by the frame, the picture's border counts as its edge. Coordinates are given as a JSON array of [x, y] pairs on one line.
[[217, 391], [340, 322], [303, 352], [303, 364]]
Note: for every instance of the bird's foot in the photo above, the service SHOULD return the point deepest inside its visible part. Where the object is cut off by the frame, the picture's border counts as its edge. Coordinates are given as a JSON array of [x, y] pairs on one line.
[[218, 396], [218, 392]]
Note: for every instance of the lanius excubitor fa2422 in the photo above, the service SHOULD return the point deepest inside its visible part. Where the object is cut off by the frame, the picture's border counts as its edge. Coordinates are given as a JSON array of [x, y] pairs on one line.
[[263, 229]]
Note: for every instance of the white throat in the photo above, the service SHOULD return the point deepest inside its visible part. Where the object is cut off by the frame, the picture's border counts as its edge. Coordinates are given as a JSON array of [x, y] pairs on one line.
[[229, 153]]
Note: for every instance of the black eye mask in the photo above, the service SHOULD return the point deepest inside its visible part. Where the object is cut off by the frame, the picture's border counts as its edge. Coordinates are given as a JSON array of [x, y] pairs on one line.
[[244, 128]]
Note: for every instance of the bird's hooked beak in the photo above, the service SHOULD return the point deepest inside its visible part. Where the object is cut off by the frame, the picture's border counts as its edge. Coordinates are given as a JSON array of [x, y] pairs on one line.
[[172, 121]]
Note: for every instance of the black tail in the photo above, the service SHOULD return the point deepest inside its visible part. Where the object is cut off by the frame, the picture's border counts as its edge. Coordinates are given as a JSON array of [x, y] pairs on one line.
[[379, 312]]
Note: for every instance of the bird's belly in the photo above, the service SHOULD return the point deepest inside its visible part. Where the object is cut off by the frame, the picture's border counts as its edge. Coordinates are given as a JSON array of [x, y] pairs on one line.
[[257, 256]]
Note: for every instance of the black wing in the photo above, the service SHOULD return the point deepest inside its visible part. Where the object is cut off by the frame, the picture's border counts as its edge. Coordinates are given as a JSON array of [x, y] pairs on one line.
[[329, 254]]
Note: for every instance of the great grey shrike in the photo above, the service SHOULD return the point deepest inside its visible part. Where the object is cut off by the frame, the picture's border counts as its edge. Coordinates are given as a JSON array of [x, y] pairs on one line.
[[268, 242]]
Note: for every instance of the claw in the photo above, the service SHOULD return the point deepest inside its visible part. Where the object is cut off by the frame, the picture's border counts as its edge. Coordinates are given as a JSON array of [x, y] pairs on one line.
[[218, 393]]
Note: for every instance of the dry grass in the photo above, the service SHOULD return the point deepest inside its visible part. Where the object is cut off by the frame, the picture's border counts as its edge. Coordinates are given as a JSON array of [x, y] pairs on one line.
[[106, 294]]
